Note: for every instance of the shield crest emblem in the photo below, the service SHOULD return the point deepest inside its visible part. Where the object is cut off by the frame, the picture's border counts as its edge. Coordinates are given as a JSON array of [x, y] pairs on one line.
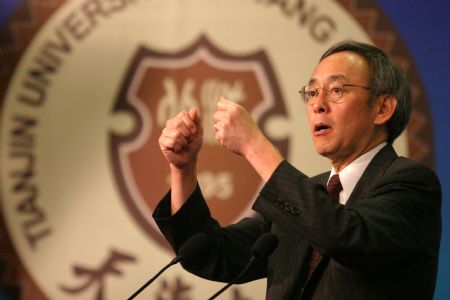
[[156, 87]]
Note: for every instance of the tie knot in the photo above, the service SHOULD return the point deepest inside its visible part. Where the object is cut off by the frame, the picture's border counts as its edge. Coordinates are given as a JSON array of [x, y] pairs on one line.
[[334, 186]]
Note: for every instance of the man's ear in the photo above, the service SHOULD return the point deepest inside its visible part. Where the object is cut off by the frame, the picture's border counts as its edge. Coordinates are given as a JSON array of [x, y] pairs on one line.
[[386, 105]]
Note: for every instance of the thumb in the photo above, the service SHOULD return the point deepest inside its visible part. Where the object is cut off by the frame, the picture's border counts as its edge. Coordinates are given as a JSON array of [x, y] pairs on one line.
[[224, 101], [195, 116]]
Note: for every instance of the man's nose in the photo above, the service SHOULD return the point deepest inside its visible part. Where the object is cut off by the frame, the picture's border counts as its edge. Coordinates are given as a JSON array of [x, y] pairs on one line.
[[320, 103]]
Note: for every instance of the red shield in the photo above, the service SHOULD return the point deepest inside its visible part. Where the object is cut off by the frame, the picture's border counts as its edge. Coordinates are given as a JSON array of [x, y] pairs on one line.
[[156, 87]]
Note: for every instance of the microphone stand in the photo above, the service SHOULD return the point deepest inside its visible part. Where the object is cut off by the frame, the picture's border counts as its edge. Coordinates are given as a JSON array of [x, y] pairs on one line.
[[174, 261], [252, 259]]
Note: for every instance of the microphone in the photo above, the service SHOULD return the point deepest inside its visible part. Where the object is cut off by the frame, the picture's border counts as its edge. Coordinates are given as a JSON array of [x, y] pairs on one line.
[[193, 249], [263, 247]]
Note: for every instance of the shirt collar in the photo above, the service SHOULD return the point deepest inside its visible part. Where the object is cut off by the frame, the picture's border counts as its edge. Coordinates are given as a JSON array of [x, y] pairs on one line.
[[351, 174]]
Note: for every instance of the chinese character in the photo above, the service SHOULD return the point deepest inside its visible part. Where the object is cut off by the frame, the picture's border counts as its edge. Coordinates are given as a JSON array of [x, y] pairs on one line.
[[97, 277], [236, 295], [175, 291]]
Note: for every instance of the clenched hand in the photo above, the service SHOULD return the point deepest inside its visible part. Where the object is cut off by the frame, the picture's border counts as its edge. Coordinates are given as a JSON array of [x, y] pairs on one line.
[[182, 138], [235, 128]]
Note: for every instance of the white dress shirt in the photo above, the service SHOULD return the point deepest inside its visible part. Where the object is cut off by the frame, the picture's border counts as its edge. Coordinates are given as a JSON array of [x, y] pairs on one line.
[[350, 175]]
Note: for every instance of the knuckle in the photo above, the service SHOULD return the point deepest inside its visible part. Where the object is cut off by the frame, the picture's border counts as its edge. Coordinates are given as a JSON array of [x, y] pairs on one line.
[[182, 114], [171, 123], [177, 122], [177, 135]]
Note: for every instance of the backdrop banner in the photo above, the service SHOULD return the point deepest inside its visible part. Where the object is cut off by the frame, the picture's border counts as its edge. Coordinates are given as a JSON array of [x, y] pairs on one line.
[[86, 87]]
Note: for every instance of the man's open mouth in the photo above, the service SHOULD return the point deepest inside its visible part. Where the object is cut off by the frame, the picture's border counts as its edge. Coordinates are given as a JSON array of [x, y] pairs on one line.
[[321, 128]]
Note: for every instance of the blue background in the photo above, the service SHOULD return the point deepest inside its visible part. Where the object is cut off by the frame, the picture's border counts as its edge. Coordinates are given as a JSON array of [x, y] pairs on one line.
[[424, 25]]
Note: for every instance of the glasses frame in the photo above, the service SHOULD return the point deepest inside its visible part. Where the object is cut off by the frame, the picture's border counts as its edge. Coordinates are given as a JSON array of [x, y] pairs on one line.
[[302, 92]]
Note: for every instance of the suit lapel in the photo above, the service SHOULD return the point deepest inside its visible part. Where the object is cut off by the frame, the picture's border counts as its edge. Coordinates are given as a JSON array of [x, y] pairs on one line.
[[372, 174]]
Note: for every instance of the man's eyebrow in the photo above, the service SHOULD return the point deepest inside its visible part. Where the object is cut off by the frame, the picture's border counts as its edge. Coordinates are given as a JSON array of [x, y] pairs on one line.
[[336, 77], [330, 78]]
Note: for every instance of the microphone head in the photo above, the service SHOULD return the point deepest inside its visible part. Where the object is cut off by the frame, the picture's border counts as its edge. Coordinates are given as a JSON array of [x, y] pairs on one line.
[[264, 245], [195, 249]]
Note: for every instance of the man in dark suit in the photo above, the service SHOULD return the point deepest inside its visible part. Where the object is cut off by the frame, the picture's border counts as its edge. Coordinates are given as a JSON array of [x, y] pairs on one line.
[[375, 235]]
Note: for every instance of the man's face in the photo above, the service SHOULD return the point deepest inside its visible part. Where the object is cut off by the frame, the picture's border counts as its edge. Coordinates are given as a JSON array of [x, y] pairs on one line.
[[342, 130]]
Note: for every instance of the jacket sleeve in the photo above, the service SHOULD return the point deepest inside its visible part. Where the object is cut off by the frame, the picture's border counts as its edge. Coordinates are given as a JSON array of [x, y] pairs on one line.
[[398, 218], [232, 244]]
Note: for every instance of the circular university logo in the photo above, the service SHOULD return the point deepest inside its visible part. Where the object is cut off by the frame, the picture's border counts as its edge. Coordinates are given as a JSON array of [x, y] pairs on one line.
[[87, 88], [156, 87]]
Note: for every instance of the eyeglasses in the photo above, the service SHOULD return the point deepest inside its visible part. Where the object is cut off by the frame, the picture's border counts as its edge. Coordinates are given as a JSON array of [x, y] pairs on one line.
[[333, 91]]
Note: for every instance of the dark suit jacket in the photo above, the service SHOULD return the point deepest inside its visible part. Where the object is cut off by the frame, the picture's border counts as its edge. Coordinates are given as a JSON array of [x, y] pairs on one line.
[[383, 244]]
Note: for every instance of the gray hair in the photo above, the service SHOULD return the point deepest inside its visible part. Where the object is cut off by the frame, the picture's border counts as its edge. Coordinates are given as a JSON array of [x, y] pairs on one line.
[[385, 78]]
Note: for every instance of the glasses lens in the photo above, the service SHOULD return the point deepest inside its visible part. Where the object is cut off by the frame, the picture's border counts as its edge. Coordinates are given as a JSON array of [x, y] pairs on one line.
[[335, 91], [308, 92]]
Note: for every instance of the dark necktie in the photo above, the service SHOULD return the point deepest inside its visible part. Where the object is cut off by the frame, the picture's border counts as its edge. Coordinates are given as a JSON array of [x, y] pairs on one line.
[[334, 187]]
